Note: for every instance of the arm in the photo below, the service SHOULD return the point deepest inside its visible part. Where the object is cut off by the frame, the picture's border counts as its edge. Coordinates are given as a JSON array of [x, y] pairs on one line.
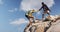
[[40, 8], [36, 11]]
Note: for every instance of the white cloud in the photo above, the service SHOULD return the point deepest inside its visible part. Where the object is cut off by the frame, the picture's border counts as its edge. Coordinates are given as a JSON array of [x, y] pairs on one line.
[[19, 21], [34, 4], [13, 10], [1, 2]]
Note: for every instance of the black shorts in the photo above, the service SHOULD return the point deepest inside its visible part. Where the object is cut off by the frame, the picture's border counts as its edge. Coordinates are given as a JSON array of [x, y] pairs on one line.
[[46, 12], [27, 16]]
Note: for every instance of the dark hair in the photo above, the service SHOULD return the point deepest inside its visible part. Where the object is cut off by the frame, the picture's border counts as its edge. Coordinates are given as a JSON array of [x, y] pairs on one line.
[[42, 2]]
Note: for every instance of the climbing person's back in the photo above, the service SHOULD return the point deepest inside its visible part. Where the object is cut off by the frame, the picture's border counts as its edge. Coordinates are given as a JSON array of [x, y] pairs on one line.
[[29, 13], [45, 7]]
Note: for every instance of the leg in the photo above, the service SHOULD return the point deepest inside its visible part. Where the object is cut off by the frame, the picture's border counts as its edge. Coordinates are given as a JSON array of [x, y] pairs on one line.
[[31, 20], [28, 17], [42, 16], [27, 28], [48, 15], [48, 12]]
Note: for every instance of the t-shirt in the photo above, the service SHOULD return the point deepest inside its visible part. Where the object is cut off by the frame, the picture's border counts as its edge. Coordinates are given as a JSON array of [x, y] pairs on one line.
[[29, 13]]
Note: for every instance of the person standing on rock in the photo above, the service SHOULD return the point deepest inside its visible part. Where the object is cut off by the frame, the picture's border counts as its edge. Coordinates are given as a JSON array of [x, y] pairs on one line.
[[45, 9]]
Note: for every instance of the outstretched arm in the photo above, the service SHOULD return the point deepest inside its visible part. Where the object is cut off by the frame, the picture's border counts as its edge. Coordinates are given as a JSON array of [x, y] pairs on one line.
[[40, 8]]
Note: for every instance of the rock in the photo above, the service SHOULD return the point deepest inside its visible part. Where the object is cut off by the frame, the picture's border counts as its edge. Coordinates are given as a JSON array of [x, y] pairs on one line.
[[55, 27], [47, 25]]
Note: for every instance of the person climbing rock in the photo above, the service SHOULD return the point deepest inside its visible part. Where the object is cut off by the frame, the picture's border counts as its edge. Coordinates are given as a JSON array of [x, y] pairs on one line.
[[45, 9], [30, 17]]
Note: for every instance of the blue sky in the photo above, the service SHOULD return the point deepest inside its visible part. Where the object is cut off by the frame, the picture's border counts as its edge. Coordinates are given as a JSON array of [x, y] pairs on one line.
[[10, 11]]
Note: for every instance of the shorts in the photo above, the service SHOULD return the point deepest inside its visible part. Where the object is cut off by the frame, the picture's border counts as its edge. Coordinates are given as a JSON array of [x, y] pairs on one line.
[[45, 12], [27, 16]]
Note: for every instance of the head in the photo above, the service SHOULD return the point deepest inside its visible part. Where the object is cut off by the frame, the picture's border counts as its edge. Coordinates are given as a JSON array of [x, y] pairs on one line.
[[42, 3], [33, 10]]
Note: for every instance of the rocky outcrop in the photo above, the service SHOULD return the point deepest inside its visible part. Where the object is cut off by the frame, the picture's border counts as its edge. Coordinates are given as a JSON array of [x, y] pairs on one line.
[[48, 25]]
